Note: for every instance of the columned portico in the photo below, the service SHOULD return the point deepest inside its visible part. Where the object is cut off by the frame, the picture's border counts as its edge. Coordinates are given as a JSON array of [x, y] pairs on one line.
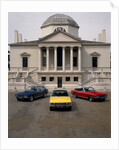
[[64, 59]]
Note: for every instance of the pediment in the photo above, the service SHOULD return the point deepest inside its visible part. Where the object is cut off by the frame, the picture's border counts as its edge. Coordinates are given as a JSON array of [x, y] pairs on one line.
[[25, 54], [95, 54], [60, 37]]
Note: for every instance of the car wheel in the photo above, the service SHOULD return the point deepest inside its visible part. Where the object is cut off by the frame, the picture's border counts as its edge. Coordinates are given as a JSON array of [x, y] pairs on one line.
[[18, 99], [69, 108], [31, 98], [75, 96], [51, 109], [91, 99], [44, 95]]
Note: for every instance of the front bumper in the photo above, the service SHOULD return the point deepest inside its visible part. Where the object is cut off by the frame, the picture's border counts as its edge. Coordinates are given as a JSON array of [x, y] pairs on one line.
[[102, 97], [22, 97], [60, 105]]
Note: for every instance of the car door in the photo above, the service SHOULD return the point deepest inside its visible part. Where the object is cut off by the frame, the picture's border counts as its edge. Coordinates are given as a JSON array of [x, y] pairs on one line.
[[40, 91], [79, 92], [85, 93], [36, 92]]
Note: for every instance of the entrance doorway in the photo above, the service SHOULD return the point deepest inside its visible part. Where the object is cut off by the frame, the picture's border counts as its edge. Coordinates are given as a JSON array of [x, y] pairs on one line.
[[59, 56], [59, 82]]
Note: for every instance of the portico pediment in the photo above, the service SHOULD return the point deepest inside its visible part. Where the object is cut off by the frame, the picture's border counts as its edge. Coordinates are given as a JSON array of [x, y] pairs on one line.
[[25, 54], [60, 37], [95, 54]]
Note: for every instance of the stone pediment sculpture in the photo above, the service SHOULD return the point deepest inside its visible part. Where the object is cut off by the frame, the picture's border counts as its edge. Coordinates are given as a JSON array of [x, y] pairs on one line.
[[95, 54], [25, 54]]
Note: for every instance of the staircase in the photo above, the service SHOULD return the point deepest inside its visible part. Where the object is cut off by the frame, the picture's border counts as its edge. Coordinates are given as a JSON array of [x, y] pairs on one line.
[[100, 81]]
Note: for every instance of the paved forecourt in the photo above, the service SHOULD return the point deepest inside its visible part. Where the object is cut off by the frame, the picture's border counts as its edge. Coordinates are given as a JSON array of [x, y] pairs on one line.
[[35, 120]]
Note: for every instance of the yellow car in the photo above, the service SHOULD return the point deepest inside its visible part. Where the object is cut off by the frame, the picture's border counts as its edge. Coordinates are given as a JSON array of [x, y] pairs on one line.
[[60, 99]]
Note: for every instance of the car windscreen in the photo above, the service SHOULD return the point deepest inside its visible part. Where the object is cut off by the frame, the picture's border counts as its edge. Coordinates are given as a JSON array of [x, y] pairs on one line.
[[89, 89], [31, 88], [59, 93]]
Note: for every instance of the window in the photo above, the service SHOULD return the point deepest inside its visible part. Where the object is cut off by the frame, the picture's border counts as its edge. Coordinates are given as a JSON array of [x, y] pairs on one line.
[[25, 62], [67, 78], [60, 29], [75, 78], [43, 78], [94, 62], [75, 61], [51, 79], [44, 58]]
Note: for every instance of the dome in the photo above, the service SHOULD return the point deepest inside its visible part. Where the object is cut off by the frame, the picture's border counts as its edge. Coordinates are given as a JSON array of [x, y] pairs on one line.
[[60, 19]]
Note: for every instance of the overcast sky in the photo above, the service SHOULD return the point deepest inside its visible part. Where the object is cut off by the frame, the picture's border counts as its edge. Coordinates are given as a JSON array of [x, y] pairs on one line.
[[28, 24]]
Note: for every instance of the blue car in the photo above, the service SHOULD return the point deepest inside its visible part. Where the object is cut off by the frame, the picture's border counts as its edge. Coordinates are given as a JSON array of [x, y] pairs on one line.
[[31, 93]]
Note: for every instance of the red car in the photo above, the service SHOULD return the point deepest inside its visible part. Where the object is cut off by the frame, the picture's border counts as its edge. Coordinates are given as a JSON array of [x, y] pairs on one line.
[[88, 93]]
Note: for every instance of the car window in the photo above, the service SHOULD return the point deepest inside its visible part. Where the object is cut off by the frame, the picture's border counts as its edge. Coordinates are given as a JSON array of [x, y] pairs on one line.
[[80, 89], [30, 88], [89, 89], [60, 93]]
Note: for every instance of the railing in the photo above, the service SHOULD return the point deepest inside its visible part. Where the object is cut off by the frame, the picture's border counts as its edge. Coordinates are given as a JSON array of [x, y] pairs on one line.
[[20, 69], [98, 69], [59, 68], [97, 80]]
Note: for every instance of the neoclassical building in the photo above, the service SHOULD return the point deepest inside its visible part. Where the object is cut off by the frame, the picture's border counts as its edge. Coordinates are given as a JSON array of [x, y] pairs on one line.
[[60, 59]]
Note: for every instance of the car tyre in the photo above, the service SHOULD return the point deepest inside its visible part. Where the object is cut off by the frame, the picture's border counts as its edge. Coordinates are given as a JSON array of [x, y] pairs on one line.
[[31, 98], [91, 99], [69, 109], [75, 96], [45, 95], [51, 109], [18, 99]]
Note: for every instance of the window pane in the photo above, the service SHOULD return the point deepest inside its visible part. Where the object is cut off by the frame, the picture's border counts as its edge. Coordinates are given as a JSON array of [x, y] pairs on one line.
[[67, 78], [24, 62], [43, 78], [75, 78], [74, 61], [94, 61], [51, 78]]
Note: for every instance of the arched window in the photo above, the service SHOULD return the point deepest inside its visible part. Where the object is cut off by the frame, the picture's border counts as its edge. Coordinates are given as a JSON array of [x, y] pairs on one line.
[[60, 29]]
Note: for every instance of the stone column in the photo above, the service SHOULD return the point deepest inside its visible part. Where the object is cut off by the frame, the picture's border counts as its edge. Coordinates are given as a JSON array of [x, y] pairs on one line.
[[79, 59], [39, 59], [71, 58], [63, 60], [55, 58], [47, 62]]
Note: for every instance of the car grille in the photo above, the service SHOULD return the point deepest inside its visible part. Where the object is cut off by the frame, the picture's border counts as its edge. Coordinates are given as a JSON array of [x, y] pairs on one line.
[[60, 104], [20, 96], [102, 96]]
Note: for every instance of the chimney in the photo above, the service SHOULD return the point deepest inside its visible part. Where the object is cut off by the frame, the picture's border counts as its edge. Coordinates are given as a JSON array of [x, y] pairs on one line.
[[100, 37], [103, 35], [20, 37], [15, 36], [25, 40]]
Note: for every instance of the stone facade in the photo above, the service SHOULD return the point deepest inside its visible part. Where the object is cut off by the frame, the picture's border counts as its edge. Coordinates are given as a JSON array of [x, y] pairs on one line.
[[59, 59]]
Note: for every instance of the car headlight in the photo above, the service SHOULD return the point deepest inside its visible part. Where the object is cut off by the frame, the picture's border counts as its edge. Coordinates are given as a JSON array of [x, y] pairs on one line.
[[68, 104], [25, 96]]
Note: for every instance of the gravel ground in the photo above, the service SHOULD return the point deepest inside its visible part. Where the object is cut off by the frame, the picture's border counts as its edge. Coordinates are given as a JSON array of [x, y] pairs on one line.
[[35, 120]]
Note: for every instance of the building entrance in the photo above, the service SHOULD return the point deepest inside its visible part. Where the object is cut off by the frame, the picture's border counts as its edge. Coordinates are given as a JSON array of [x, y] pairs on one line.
[[59, 57], [59, 82]]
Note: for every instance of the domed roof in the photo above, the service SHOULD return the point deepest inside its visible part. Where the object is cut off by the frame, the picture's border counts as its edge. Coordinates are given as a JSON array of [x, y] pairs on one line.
[[60, 19]]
